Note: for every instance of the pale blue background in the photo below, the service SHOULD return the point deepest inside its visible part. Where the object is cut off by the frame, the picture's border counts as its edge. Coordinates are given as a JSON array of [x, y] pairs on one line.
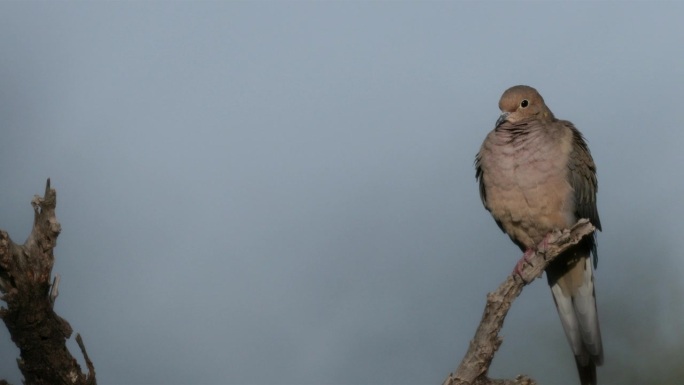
[[284, 193]]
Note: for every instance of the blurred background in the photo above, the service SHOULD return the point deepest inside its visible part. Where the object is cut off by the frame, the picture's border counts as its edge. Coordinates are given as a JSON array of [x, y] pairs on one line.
[[284, 192]]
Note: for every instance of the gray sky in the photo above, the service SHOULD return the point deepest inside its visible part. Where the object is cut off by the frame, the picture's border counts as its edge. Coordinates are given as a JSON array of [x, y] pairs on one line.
[[284, 193]]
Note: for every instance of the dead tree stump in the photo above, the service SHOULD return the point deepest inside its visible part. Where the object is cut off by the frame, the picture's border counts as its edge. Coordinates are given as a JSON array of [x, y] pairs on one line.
[[25, 285]]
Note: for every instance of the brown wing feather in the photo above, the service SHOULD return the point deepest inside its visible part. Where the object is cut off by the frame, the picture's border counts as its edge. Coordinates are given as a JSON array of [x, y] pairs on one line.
[[483, 192], [478, 177], [582, 178]]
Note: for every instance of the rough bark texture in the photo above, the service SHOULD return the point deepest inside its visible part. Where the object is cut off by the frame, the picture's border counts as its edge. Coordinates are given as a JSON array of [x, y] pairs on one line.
[[473, 369], [40, 334]]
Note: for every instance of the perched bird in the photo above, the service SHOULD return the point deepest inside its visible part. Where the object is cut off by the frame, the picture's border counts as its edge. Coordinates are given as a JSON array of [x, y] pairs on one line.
[[536, 174]]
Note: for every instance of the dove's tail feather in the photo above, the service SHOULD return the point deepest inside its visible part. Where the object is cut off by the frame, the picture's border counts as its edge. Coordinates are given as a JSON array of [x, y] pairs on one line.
[[587, 372], [573, 292]]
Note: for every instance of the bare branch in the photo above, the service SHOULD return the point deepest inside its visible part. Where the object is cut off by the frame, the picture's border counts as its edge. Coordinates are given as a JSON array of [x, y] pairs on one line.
[[25, 272], [473, 369]]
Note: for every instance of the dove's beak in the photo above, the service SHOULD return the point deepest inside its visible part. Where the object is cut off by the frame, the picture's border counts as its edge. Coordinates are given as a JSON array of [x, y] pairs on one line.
[[502, 118]]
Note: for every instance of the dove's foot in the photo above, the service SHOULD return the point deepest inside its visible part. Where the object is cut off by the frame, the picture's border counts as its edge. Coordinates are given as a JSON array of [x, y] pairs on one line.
[[524, 260]]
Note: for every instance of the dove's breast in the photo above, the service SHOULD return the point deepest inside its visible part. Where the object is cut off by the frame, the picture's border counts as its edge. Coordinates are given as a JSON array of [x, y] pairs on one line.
[[526, 184]]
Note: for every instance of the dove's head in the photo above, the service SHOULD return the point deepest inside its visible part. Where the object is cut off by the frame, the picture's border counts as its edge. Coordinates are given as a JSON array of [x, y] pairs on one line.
[[520, 103]]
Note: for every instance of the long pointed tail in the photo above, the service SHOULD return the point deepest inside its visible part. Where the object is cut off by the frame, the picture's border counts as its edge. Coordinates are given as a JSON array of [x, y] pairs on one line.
[[587, 372], [573, 292]]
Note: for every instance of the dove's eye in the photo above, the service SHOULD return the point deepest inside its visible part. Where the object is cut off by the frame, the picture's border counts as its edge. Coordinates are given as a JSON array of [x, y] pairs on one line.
[[524, 103]]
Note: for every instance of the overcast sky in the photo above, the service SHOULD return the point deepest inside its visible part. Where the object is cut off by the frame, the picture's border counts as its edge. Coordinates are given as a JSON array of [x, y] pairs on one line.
[[284, 193]]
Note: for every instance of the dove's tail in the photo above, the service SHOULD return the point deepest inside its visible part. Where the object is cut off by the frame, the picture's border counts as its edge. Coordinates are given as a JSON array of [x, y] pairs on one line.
[[572, 284], [587, 372]]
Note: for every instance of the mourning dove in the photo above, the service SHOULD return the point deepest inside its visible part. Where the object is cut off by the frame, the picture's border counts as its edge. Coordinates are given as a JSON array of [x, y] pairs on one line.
[[536, 175]]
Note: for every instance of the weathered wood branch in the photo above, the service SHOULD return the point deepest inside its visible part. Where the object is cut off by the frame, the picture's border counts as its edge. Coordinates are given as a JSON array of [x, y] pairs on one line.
[[473, 369], [40, 334]]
